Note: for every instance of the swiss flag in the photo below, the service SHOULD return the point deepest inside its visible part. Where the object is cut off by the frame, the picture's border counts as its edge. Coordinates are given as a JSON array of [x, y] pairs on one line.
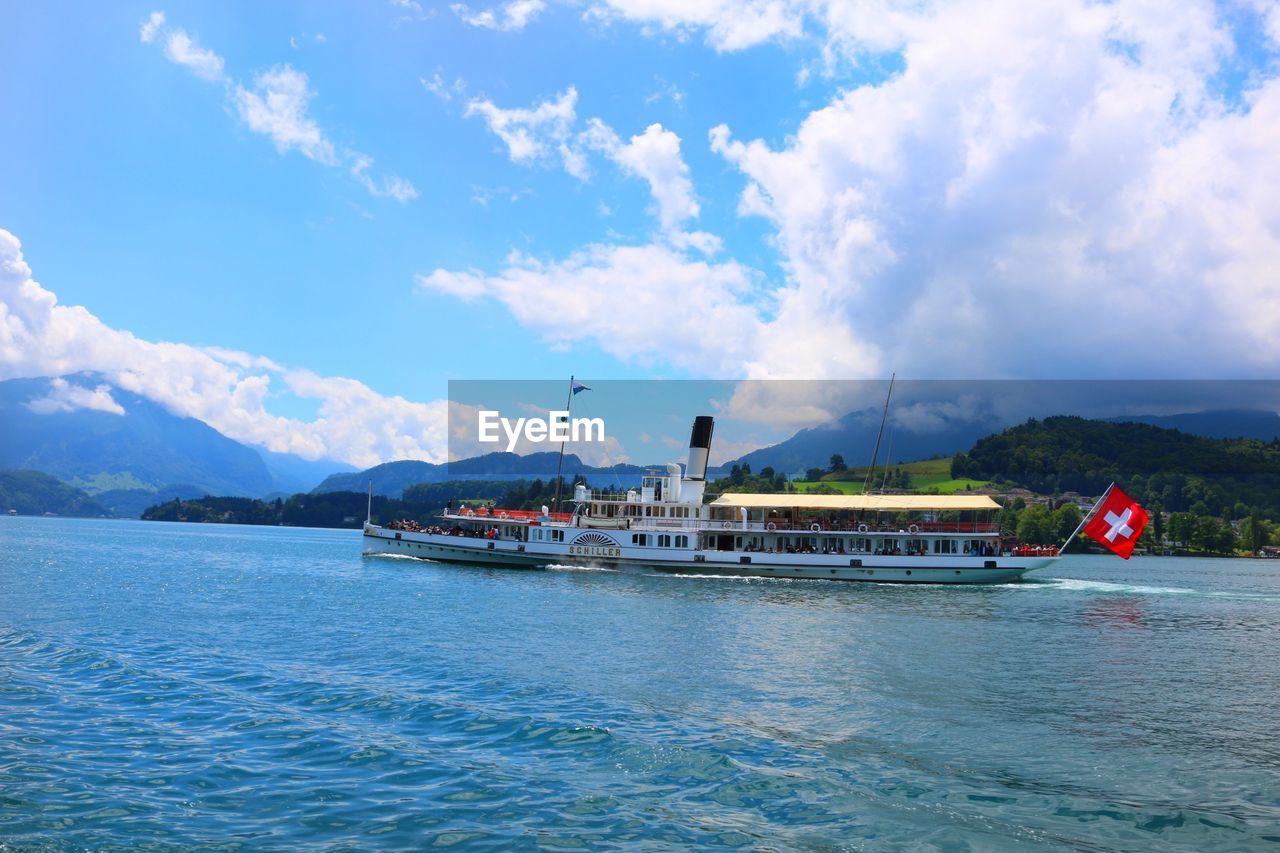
[[1118, 523]]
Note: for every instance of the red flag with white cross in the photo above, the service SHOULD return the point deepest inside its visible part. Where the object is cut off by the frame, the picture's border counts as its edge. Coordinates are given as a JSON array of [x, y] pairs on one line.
[[1118, 523]]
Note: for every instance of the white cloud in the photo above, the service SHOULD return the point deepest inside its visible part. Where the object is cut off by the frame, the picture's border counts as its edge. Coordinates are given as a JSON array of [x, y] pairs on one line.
[[226, 389], [654, 156], [697, 314], [277, 108], [150, 27], [391, 187], [533, 134], [1027, 197], [66, 397], [437, 86], [514, 15], [729, 24], [183, 50], [1044, 189]]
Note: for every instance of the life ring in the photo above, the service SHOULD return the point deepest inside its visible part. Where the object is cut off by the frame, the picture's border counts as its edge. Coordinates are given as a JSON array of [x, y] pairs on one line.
[[727, 525], [913, 528], [771, 526], [862, 528], [815, 527], [503, 515]]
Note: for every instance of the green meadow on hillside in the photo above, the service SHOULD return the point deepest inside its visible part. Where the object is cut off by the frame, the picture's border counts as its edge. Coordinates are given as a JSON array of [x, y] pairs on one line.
[[926, 475]]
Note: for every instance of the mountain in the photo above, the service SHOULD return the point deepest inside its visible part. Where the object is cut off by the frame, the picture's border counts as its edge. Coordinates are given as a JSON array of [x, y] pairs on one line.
[[854, 436], [129, 452], [35, 493], [294, 474], [1227, 423], [392, 478]]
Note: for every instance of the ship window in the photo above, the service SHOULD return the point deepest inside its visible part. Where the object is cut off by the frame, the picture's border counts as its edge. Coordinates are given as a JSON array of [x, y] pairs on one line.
[[944, 546], [664, 541], [682, 541]]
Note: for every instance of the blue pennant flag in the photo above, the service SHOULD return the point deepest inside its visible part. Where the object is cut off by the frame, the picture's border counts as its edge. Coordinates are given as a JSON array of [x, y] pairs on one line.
[[578, 386]]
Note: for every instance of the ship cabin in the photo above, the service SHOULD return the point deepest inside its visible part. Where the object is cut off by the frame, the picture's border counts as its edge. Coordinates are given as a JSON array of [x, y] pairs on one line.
[[907, 525], [663, 500]]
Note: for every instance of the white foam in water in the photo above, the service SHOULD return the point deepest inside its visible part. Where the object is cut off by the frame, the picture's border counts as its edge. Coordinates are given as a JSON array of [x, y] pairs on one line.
[[560, 567], [1103, 586], [739, 578], [1078, 585], [397, 557]]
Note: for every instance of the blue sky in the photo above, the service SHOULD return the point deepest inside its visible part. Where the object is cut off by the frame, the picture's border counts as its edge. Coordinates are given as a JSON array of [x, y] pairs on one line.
[[333, 209]]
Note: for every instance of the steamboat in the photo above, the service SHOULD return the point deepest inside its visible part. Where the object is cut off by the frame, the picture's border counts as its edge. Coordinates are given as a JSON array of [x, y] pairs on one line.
[[667, 525]]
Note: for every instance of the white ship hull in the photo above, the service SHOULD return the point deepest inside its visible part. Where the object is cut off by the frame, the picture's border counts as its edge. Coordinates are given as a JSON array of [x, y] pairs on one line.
[[872, 568]]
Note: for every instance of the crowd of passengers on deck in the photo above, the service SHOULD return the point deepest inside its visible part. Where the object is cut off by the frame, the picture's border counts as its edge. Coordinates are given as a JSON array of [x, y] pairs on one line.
[[457, 530]]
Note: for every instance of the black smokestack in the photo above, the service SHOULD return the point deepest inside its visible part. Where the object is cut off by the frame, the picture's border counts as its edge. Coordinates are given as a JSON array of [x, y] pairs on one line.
[[700, 447]]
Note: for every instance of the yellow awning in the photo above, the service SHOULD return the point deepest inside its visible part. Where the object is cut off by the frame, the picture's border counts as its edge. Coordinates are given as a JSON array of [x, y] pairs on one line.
[[876, 503]]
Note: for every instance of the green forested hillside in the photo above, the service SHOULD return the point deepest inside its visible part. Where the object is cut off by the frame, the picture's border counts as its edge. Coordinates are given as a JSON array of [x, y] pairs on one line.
[[347, 509], [34, 493], [1160, 467]]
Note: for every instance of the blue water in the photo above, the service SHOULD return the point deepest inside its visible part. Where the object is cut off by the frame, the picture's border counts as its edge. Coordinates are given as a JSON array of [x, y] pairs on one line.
[[166, 684]]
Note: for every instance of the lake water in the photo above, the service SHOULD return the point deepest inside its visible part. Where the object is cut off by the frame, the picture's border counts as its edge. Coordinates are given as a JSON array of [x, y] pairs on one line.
[[170, 684]]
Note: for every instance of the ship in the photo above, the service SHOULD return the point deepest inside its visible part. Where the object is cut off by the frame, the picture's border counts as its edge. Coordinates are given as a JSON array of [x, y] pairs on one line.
[[667, 525]]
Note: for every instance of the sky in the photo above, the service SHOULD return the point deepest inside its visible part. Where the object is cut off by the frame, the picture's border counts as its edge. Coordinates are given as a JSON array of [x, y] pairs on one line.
[[299, 221]]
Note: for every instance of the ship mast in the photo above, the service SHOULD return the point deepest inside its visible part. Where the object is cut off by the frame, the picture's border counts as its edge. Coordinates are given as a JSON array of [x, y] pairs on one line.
[[568, 405], [871, 472]]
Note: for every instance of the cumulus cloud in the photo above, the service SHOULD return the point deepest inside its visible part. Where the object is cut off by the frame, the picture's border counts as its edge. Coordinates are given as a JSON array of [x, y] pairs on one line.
[[1054, 188], [698, 315], [514, 15], [1031, 164], [226, 389], [275, 105], [66, 397]]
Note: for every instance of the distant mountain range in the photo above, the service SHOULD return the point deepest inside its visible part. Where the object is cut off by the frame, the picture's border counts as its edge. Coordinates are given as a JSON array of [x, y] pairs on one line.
[[127, 461], [1227, 423], [854, 436], [391, 478], [138, 453]]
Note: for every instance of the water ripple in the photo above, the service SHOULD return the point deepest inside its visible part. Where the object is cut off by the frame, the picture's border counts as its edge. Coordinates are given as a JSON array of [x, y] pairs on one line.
[[174, 685]]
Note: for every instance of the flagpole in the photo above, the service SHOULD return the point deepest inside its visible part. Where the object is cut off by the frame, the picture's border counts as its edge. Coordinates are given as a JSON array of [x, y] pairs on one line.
[[568, 406], [1086, 518]]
